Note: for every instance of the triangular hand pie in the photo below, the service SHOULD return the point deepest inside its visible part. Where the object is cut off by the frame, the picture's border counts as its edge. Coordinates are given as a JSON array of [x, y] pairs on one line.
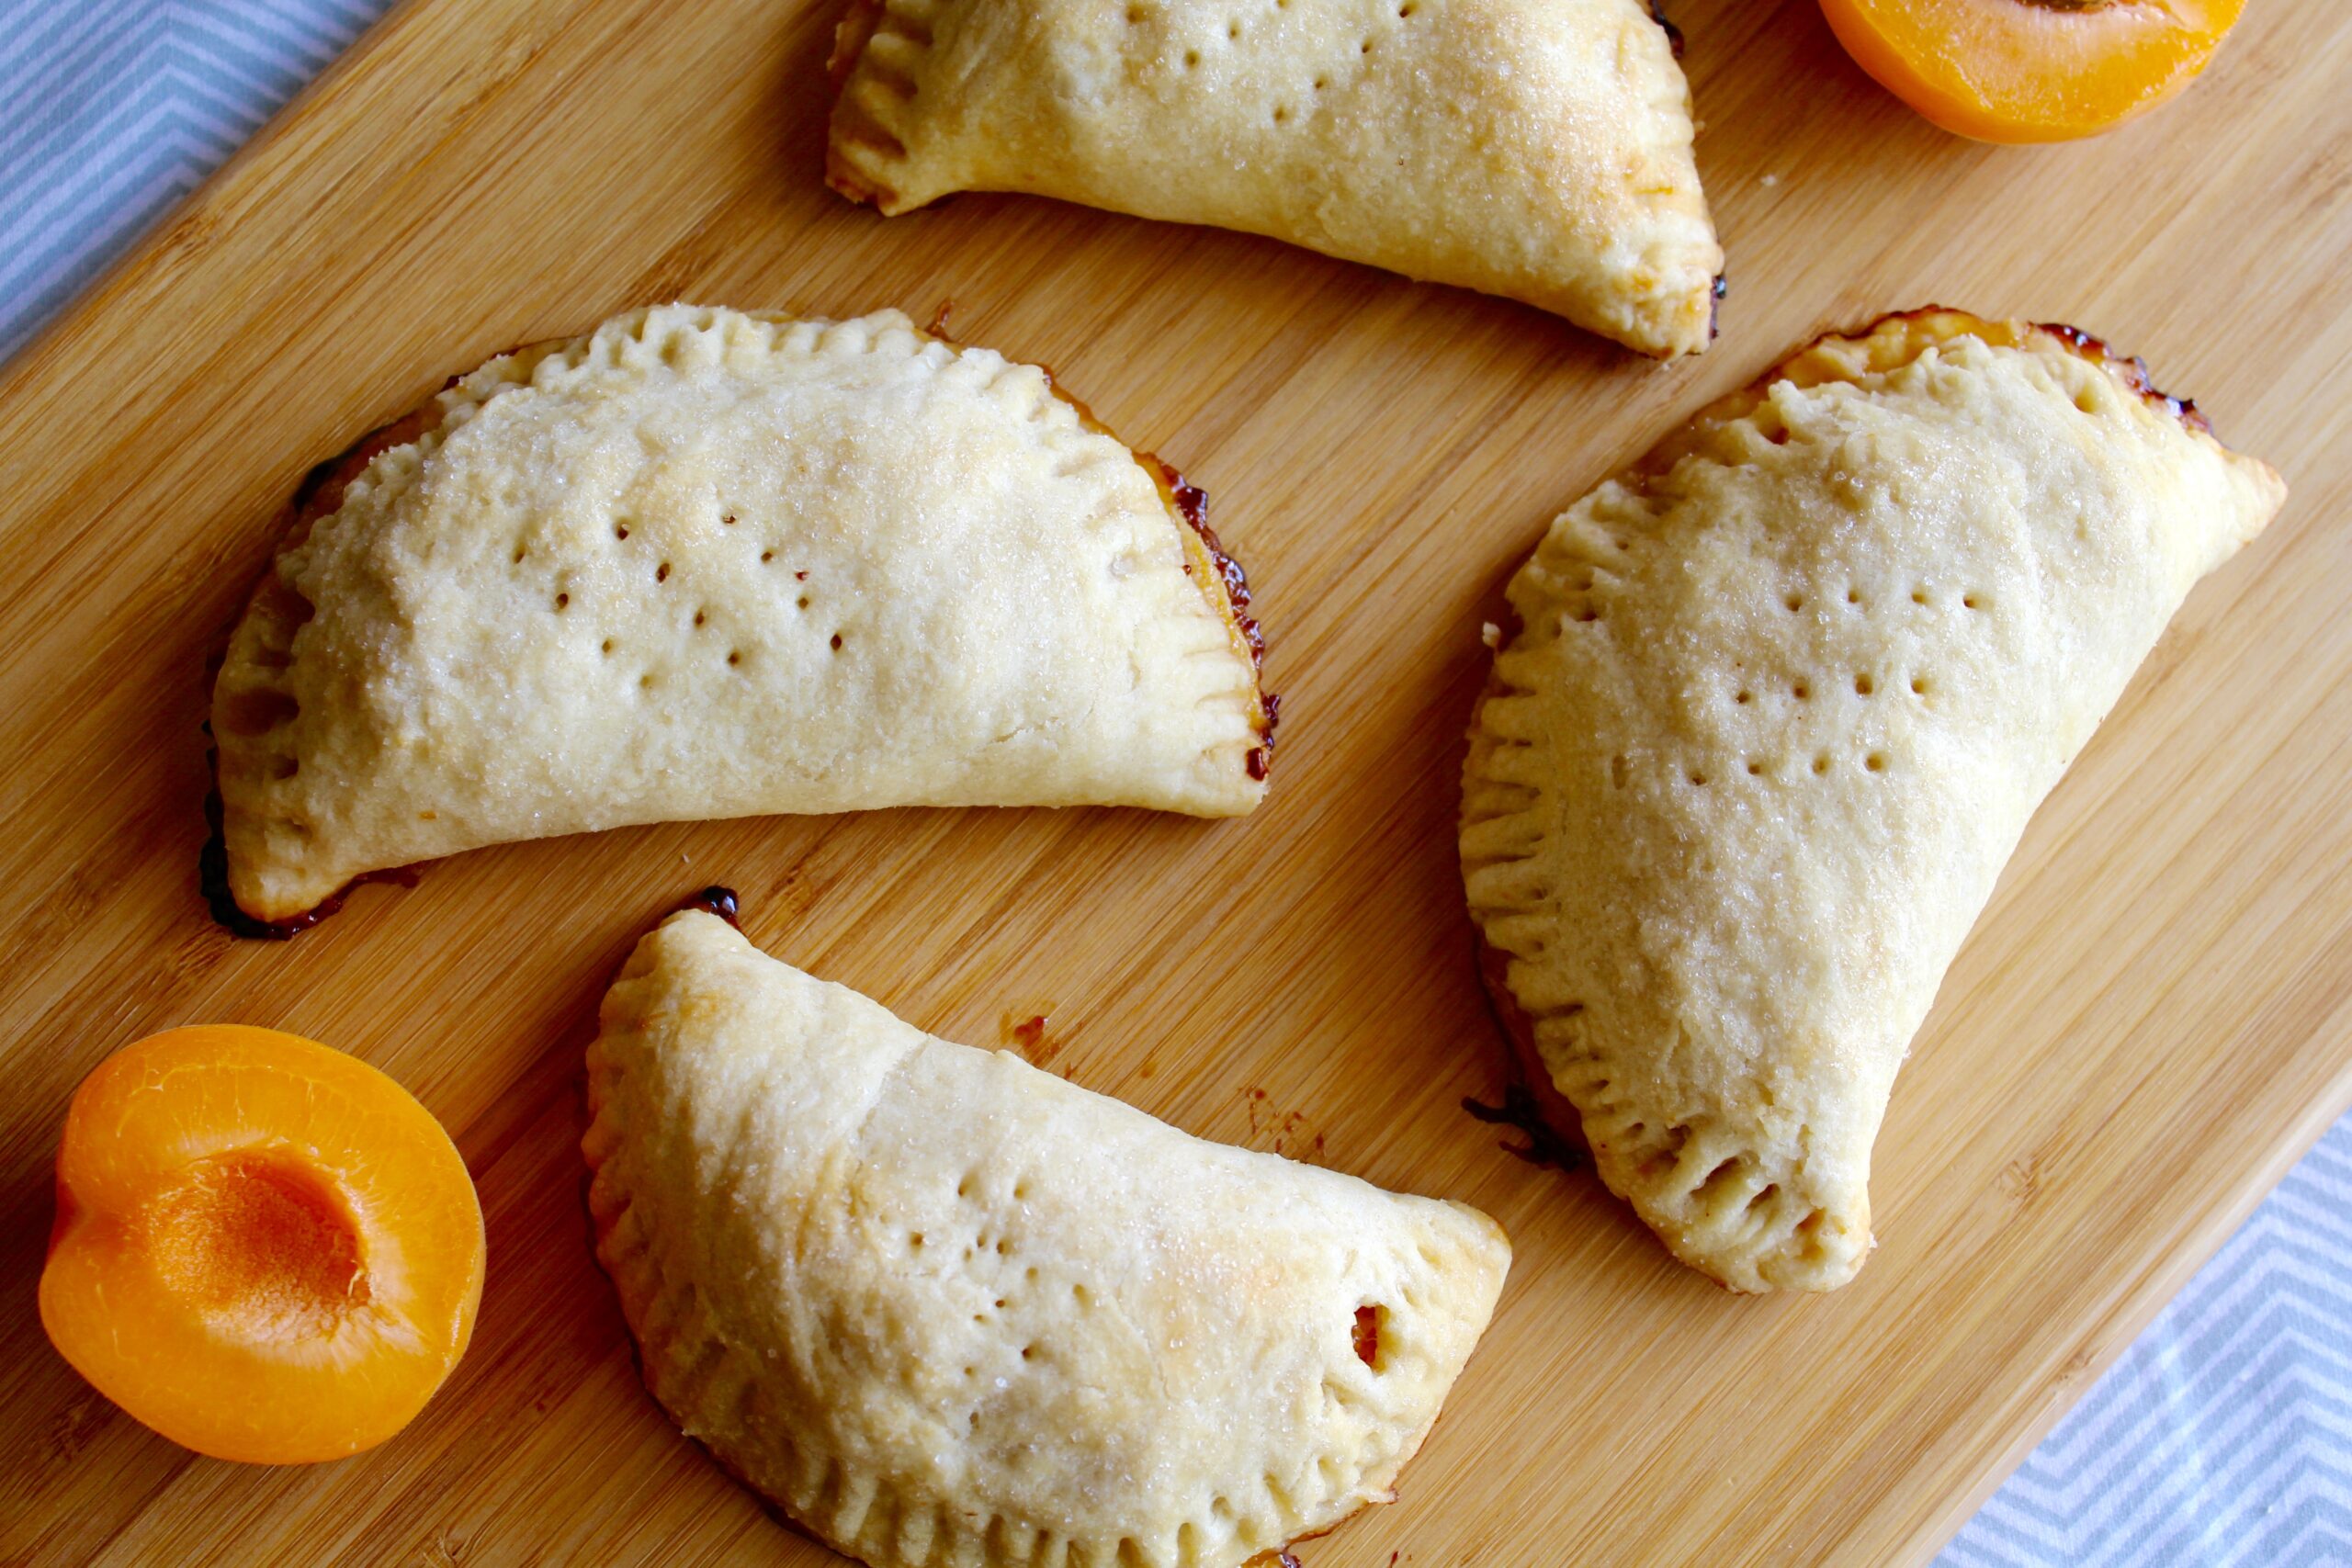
[[1777, 707], [952, 1311], [1535, 149], [703, 564]]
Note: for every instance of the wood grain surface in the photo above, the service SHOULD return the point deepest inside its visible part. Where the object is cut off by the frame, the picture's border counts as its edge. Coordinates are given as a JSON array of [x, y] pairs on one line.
[[2151, 1021]]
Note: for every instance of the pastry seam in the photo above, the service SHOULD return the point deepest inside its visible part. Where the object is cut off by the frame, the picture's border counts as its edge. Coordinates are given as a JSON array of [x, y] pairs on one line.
[[1724, 1205]]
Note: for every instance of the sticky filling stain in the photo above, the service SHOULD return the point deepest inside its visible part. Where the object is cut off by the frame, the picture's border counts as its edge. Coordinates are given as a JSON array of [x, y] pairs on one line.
[[715, 900]]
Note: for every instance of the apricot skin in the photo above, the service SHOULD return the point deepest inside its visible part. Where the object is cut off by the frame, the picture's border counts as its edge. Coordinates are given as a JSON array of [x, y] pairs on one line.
[[2028, 71], [264, 1250]]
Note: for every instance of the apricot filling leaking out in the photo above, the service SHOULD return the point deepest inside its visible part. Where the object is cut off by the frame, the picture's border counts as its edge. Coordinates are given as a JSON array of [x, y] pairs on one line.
[[264, 1250]]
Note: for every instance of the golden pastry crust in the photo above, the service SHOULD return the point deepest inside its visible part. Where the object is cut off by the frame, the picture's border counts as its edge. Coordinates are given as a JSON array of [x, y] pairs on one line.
[[1535, 149], [950, 1311], [703, 563], [1778, 705]]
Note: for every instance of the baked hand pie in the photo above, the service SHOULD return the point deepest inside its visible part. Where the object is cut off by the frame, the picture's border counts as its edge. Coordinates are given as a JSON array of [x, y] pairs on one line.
[[1535, 149], [702, 563], [1777, 706], [952, 1311]]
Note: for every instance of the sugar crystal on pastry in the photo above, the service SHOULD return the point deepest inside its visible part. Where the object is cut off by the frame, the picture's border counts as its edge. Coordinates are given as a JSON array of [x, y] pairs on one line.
[[1778, 705], [953, 1311], [1535, 149], [702, 563]]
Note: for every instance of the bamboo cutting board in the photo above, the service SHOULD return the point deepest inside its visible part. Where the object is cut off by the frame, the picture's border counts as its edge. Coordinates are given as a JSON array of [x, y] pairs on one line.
[[2153, 1020]]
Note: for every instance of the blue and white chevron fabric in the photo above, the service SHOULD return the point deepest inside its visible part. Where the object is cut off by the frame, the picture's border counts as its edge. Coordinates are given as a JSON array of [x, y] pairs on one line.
[[111, 110], [2223, 1437]]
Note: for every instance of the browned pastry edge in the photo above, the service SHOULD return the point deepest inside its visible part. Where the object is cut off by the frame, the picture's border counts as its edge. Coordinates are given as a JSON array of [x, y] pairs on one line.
[[1673, 34], [1539, 1106], [318, 495], [847, 122], [1531, 1105], [1218, 576], [723, 902], [2129, 369]]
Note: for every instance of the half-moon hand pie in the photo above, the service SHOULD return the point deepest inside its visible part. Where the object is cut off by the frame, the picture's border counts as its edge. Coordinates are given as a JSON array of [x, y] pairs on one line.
[[702, 563], [1777, 706], [1534, 149], [949, 1310]]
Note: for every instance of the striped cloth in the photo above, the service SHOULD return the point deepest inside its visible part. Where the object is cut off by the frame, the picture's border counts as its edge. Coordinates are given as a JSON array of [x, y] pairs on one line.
[[2223, 1436], [111, 110]]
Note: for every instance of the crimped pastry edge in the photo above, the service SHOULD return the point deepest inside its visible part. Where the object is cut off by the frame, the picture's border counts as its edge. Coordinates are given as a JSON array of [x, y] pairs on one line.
[[862, 153], [260, 646], [1801, 1245], [665, 1318]]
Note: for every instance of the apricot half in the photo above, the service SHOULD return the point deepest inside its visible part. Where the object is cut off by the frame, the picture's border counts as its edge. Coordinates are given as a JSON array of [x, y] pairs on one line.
[[2031, 70], [264, 1250]]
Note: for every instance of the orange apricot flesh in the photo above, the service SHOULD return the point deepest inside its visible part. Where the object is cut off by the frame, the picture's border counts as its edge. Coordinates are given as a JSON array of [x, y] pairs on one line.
[[264, 1250], [2031, 70]]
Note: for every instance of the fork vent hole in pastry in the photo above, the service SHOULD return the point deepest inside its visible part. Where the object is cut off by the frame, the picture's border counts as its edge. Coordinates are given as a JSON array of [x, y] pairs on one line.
[[1184, 114], [1757, 976], [1250, 1349], [1066, 684]]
